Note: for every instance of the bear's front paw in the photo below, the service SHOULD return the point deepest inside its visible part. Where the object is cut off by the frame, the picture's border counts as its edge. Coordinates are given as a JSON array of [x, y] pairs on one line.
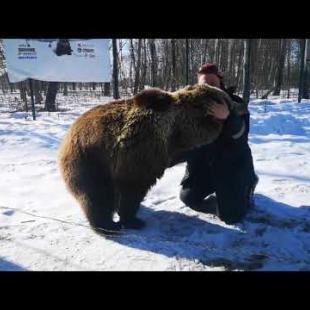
[[134, 223], [107, 229]]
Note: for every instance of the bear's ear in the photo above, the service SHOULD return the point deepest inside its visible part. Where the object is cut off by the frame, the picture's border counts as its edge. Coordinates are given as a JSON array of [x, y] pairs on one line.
[[153, 98], [210, 95]]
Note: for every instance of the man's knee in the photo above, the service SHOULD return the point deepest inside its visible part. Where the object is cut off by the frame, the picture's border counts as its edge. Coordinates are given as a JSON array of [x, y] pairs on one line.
[[187, 196], [192, 197]]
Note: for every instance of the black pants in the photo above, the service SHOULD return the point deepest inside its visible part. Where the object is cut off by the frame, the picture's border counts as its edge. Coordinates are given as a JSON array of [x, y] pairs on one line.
[[231, 180]]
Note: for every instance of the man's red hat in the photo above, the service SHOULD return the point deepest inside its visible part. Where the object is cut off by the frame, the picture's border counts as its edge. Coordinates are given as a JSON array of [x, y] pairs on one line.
[[210, 69]]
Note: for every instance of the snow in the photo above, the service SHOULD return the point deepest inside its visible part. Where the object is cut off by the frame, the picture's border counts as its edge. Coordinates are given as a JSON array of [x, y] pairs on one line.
[[43, 228]]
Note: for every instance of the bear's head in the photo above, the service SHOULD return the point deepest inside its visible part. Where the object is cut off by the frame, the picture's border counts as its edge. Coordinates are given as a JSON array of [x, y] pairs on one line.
[[186, 110], [195, 126]]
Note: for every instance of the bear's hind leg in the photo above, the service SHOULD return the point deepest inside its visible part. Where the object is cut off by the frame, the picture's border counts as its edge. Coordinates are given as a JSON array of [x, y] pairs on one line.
[[128, 202], [91, 184], [98, 206]]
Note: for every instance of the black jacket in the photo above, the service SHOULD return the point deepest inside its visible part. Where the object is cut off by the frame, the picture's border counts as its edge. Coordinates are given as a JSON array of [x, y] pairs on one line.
[[230, 149]]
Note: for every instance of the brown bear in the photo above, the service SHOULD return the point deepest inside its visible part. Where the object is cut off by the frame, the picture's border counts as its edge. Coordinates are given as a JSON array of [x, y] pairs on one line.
[[114, 153]]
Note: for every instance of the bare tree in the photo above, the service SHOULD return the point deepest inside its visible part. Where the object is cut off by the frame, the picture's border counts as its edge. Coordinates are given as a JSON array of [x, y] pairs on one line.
[[152, 48], [302, 60], [173, 67], [306, 78], [115, 69], [280, 67], [138, 67], [50, 101], [144, 67], [246, 68]]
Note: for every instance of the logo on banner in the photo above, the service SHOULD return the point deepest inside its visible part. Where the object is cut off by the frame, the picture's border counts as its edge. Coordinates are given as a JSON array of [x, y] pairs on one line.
[[86, 50], [26, 51]]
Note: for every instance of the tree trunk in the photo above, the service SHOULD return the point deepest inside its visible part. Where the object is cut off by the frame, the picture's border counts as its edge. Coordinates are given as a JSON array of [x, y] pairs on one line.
[[152, 48], [23, 95], [50, 102], [246, 68], [137, 69], [144, 67], [301, 68], [65, 93], [186, 62], [230, 62], [217, 51], [279, 77], [205, 50], [130, 76], [173, 60], [107, 89], [44, 87], [115, 70], [288, 69], [306, 70], [132, 64], [22, 91], [239, 72], [212, 50], [167, 67], [191, 62], [37, 92]]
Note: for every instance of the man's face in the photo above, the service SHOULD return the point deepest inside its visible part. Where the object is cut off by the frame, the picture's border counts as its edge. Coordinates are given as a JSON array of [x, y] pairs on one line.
[[209, 78]]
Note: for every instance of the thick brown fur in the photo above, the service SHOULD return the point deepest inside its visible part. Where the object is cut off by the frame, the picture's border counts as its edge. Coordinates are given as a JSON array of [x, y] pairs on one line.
[[114, 153]]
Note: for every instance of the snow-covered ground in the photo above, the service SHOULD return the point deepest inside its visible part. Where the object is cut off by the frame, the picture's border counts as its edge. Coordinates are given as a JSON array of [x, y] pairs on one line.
[[43, 228]]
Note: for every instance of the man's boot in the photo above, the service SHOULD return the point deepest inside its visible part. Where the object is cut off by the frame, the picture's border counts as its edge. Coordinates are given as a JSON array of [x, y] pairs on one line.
[[209, 205]]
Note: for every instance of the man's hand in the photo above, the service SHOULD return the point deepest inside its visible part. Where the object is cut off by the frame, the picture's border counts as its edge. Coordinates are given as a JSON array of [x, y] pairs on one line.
[[219, 110]]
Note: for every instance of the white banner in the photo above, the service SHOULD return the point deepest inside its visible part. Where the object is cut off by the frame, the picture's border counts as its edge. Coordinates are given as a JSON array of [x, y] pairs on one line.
[[58, 60]]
